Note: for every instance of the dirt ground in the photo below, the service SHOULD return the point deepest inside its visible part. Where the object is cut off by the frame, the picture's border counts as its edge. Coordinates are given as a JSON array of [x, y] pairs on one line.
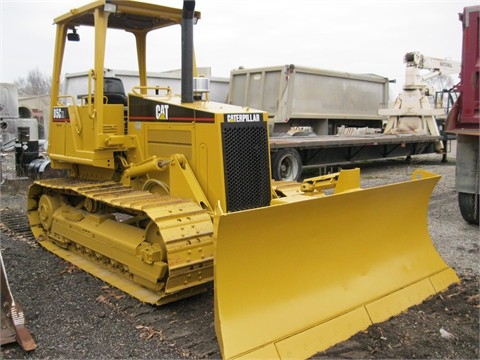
[[75, 316]]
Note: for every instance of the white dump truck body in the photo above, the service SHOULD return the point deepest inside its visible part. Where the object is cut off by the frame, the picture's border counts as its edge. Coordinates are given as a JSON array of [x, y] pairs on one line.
[[302, 96], [76, 84]]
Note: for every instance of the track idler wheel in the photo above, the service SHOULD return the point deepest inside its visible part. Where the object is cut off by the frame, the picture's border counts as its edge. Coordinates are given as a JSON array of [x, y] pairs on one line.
[[47, 205], [153, 249]]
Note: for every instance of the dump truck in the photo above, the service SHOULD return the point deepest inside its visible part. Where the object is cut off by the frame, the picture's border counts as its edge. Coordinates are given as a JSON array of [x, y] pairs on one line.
[[167, 193], [76, 83], [298, 97], [319, 118], [464, 118]]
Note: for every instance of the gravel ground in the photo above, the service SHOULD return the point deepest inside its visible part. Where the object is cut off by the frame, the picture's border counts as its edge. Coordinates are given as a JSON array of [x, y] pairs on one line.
[[75, 316]]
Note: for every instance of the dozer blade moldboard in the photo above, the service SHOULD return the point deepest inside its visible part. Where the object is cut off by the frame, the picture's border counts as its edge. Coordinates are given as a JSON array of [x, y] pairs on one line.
[[299, 278]]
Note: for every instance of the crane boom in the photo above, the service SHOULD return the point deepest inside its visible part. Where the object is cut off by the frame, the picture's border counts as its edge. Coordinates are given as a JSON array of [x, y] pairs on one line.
[[415, 61]]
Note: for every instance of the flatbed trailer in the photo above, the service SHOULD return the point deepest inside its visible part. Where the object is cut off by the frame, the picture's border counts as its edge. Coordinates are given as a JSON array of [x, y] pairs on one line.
[[322, 118], [292, 154]]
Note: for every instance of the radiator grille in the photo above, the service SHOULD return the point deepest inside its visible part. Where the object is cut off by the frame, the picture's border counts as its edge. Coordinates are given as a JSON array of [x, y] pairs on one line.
[[247, 168]]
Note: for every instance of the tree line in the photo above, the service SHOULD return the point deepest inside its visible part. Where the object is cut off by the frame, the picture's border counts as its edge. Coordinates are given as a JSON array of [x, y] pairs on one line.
[[34, 84]]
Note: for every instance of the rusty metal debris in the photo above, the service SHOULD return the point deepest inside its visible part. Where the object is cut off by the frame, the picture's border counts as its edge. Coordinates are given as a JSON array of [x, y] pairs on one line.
[[12, 317]]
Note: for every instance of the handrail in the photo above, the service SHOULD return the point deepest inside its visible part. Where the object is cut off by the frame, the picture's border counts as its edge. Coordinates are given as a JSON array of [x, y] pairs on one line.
[[91, 109], [156, 88]]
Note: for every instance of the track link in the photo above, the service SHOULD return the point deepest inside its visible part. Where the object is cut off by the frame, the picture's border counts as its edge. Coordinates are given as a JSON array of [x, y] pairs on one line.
[[156, 248]]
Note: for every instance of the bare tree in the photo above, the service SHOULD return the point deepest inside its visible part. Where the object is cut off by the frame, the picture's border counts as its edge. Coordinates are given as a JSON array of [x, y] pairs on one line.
[[35, 83], [444, 92], [441, 82]]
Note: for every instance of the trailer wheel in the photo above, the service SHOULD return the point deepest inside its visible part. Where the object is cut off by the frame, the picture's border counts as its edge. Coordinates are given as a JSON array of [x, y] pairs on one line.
[[469, 207], [286, 165]]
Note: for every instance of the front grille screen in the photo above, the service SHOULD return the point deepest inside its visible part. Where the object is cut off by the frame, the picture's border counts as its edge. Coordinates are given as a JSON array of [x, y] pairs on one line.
[[247, 168]]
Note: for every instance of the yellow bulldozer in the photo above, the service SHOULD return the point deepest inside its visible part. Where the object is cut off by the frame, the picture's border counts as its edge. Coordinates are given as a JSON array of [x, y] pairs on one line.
[[166, 193]]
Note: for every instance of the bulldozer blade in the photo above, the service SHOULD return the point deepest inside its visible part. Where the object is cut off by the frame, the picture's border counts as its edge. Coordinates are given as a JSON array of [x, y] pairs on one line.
[[295, 279], [12, 317]]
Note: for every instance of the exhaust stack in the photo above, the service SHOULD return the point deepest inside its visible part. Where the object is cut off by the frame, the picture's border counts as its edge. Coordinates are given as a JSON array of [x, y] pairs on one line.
[[187, 50]]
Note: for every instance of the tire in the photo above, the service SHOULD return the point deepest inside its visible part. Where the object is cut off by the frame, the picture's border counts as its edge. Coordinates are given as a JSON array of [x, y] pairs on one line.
[[286, 165], [469, 207]]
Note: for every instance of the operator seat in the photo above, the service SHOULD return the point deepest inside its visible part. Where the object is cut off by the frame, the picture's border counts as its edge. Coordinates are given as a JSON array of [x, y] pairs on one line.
[[114, 91]]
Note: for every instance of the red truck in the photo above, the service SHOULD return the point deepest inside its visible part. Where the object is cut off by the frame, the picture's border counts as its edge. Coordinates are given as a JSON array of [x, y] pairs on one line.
[[464, 118]]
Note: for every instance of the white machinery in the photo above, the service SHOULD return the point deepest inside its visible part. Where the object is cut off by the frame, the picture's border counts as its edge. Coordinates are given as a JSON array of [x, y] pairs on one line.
[[412, 111]]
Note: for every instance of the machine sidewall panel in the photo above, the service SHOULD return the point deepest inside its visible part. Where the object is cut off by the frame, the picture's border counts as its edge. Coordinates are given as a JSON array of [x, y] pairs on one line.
[[467, 169]]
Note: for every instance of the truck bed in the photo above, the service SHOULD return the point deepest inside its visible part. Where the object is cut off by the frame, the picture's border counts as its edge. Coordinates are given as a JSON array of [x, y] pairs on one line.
[[325, 150], [326, 141]]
